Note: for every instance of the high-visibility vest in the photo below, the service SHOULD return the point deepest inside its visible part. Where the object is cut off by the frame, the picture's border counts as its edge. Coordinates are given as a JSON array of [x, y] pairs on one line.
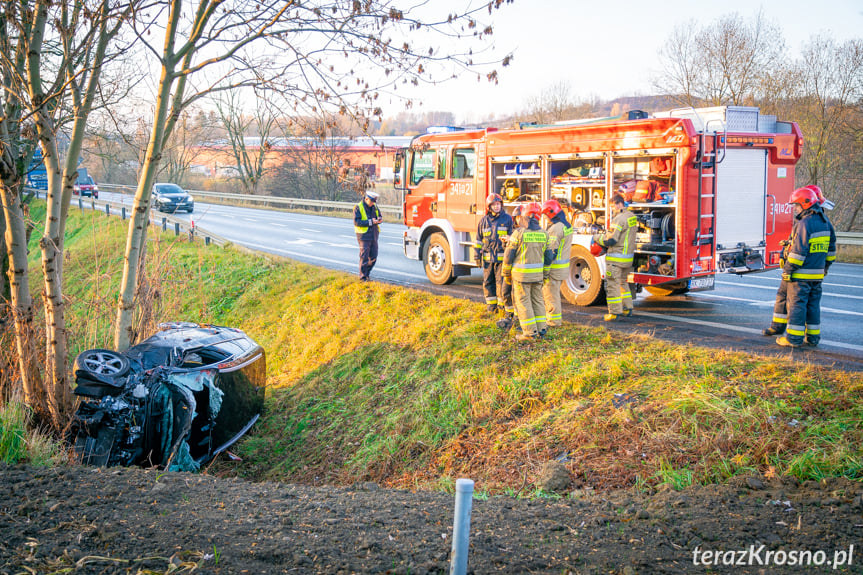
[[363, 216]]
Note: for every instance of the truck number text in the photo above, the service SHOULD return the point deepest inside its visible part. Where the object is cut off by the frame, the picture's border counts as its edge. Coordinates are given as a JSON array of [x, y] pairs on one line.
[[461, 189]]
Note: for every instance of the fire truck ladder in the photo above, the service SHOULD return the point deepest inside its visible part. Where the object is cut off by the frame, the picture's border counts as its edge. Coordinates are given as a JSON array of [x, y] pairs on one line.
[[706, 160]]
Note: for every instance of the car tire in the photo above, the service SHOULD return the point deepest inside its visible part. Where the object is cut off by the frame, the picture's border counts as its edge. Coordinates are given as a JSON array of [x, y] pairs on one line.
[[102, 362]]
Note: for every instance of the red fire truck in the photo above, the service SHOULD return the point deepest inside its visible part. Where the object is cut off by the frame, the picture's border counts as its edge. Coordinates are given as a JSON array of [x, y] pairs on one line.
[[709, 187]]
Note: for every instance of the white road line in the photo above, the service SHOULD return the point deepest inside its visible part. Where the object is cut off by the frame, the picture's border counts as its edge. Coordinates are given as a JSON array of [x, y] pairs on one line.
[[250, 219], [304, 256], [311, 230], [740, 299], [737, 328], [396, 245], [826, 294], [776, 279], [280, 225]]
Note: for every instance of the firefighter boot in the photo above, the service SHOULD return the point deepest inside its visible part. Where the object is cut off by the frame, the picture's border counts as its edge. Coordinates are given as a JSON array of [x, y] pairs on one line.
[[773, 330], [526, 337], [506, 322], [610, 317], [783, 341], [627, 312], [491, 308]]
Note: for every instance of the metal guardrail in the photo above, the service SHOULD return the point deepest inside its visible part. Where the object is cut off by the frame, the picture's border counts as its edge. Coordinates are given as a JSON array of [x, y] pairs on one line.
[[849, 238], [289, 203]]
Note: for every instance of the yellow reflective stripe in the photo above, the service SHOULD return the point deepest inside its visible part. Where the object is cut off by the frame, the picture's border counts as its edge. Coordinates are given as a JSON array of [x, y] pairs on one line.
[[795, 261], [632, 222], [618, 258], [361, 229], [780, 319], [794, 331]]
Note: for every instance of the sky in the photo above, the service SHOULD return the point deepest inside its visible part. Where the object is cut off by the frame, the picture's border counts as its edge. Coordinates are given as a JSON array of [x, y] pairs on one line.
[[608, 48]]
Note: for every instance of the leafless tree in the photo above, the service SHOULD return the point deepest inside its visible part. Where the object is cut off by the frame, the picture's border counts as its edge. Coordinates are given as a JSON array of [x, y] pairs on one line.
[[51, 68], [322, 55], [250, 161], [725, 62]]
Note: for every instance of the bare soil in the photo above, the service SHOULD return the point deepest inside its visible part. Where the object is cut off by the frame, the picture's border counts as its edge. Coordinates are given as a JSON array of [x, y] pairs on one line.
[[87, 520]]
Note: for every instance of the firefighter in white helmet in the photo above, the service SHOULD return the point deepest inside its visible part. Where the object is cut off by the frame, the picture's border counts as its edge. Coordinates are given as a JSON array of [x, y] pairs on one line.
[[620, 242]]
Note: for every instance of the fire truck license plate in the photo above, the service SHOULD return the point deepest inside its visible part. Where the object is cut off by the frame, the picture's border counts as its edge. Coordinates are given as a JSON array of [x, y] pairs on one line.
[[704, 283]]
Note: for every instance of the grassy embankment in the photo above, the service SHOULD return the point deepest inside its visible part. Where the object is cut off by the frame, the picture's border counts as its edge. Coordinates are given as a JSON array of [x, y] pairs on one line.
[[375, 382]]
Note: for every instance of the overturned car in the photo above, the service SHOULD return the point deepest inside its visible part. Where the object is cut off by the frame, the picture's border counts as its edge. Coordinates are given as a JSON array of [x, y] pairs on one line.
[[176, 400]]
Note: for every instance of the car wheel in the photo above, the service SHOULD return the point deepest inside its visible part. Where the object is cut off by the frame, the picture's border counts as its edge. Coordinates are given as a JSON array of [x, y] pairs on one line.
[[102, 362], [584, 285], [437, 260]]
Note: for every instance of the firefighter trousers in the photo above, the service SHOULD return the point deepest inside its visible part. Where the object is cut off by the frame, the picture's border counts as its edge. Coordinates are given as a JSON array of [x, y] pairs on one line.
[[551, 296], [780, 308], [804, 312], [529, 307], [368, 255], [496, 290], [617, 288]]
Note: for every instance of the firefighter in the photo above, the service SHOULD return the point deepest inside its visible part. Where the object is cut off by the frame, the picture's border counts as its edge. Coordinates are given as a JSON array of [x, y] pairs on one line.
[[527, 260], [367, 225], [491, 233], [620, 243], [560, 241], [810, 255], [780, 311]]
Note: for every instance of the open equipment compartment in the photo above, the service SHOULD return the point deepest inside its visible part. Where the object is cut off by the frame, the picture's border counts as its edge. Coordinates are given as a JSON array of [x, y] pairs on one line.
[[648, 181]]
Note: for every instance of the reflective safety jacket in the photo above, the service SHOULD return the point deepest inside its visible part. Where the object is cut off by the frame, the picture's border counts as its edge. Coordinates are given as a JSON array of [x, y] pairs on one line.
[[813, 246], [363, 216], [620, 240], [527, 258], [560, 242], [489, 233]]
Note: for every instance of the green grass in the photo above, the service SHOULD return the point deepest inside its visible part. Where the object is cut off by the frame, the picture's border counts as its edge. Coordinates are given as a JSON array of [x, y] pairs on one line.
[[374, 382], [20, 443]]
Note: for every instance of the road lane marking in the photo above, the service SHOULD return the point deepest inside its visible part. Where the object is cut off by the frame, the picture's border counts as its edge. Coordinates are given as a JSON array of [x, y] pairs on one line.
[[280, 225], [774, 289], [749, 330], [304, 256], [778, 279]]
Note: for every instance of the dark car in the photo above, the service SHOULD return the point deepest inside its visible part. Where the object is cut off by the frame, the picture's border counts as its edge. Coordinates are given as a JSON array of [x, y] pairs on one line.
[[85, 186], [171, 198], [176, 400]]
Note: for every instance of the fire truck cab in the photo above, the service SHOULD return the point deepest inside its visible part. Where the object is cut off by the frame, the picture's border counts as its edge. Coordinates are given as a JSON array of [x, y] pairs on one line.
[[709, 187]]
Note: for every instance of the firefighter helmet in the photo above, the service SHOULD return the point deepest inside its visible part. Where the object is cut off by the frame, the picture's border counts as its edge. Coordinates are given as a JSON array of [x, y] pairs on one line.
[[596, 249], [492, 198], [822, 201], [516, 212], [550, 208], [533, 209], [805, 197]]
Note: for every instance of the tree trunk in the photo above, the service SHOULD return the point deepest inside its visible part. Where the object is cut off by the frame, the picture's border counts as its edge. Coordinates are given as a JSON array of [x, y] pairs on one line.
[[140, 220], [21, 303]]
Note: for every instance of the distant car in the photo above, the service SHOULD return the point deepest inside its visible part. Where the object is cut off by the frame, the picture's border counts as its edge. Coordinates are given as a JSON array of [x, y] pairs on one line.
[[176, 400], [171, 198], [85, 186]]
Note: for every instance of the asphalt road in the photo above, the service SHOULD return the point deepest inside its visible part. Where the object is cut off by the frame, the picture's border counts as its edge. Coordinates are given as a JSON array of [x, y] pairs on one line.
[[731, 316]]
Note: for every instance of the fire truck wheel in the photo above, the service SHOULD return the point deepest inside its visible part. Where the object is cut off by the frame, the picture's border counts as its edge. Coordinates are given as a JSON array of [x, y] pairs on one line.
[[437, 260], [672, 288], [584, 286]]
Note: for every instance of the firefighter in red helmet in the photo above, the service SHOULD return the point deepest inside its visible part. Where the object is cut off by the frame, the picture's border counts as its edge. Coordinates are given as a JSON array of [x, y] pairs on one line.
[[812, 251], [560, 241], [620, 242], [780, 309], [527, 260], [491, 232]]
